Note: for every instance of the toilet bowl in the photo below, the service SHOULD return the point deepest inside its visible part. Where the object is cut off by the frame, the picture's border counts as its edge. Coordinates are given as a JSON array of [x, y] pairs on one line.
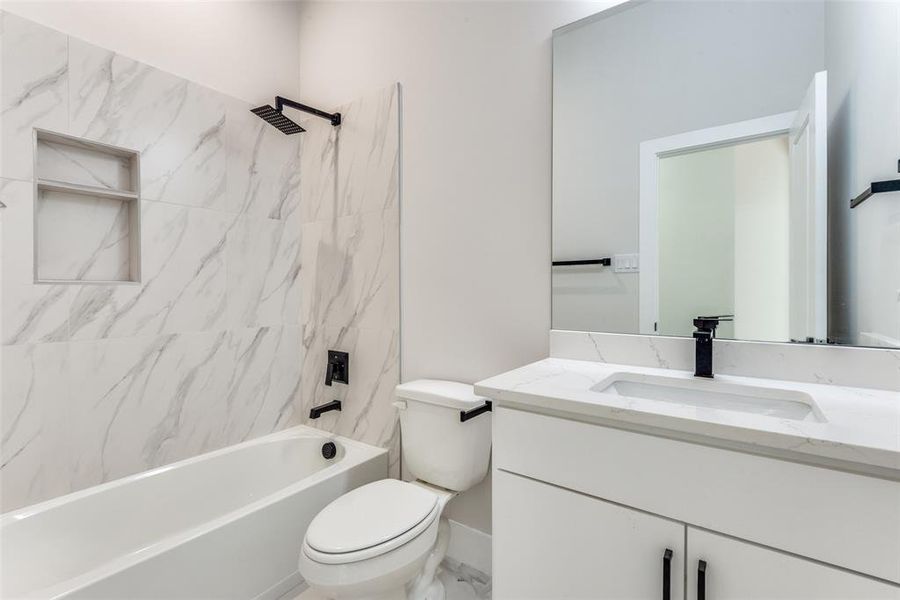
[[385, 540], [374, 541]]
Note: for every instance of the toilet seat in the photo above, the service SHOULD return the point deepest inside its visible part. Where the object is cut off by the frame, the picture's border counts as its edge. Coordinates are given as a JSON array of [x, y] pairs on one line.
[[370, 521], [370, 577]]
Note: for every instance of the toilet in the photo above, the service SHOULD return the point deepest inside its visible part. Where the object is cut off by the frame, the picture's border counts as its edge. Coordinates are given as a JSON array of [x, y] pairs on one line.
[[385, 540]]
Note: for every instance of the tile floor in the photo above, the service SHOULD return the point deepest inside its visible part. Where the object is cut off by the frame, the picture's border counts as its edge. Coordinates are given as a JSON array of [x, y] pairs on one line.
[[461, 582]]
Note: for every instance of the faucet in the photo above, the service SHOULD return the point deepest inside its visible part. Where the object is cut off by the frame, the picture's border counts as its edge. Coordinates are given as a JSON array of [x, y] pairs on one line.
[[338, 368], [316, 411], [705, 334]]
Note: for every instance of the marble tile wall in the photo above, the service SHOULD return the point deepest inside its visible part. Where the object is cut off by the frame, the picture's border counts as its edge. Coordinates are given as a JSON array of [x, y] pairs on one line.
[[350, 259], [102, 381]]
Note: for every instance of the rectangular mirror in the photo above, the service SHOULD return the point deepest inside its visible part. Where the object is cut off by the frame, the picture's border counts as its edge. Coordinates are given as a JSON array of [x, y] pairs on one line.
[[705, 156]]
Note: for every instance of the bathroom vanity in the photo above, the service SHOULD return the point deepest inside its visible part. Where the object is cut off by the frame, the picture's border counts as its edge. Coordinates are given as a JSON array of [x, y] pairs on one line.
[[704, 428], [615, 481]]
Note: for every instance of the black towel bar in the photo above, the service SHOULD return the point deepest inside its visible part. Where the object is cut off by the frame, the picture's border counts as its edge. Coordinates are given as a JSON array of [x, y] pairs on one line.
[[877, 187], [589, 261]]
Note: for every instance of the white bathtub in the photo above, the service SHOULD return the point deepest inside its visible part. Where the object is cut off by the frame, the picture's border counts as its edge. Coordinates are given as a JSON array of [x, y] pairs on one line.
[[227, 524]]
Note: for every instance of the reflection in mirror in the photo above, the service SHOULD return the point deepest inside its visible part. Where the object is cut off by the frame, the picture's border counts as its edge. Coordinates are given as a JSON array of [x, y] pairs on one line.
[[716, 185], [710, 151]]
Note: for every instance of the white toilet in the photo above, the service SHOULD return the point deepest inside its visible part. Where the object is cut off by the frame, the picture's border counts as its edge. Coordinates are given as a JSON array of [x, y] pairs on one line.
[[385, 540]]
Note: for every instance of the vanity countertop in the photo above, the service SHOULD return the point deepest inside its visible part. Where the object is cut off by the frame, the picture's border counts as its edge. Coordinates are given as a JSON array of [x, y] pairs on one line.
[[855, 429]]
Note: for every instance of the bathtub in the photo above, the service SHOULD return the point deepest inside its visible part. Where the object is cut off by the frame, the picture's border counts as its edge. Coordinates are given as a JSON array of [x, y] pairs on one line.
[[227, 524]]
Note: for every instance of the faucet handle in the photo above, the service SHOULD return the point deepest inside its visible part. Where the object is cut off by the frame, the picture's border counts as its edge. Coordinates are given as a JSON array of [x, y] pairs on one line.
[[710, 323], [338, 367], [329, 373]]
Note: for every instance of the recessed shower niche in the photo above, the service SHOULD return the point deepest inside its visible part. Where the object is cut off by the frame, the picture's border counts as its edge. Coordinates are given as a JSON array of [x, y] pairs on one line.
[[87, 211]]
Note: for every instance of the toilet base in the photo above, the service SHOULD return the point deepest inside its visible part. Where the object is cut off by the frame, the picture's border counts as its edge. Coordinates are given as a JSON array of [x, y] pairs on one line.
[[314, 594], [422, 585], [427, 586], [435, 591]]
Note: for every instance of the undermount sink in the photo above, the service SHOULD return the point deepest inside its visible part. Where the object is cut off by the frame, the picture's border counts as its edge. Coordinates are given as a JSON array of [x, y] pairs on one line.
[[712, 394]]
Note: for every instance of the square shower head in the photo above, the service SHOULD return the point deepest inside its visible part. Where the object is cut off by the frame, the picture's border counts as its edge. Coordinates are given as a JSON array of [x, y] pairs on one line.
[[275, 118]]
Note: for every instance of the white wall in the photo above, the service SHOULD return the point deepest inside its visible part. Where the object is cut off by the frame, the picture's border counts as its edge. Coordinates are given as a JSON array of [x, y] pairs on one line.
[[475, 200], [249, 50], [862, 54], [649, 72]]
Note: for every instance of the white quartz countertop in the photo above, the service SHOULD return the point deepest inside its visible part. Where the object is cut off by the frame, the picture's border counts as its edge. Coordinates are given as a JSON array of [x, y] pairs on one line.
[[857, 429]]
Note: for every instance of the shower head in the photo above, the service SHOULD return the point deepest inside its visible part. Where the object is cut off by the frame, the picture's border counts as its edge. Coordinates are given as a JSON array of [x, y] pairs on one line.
[[273, 115], [275, 118]]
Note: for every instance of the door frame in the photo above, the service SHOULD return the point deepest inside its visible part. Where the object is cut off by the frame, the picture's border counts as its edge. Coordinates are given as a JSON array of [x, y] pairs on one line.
[[650, 153], [812, 118]]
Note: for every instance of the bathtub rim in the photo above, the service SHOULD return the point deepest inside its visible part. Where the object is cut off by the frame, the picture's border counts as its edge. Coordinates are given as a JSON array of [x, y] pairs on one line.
[[356, 454]]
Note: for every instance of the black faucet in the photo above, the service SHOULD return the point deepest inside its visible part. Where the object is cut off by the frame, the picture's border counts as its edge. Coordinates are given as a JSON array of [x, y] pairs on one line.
[[705, 334], [338, 368]]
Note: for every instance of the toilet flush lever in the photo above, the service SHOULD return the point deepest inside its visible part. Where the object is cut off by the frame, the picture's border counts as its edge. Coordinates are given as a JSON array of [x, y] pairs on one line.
[[465, 415]]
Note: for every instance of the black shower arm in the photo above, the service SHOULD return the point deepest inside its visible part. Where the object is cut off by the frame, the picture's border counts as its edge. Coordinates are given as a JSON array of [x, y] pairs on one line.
[[280, 103]]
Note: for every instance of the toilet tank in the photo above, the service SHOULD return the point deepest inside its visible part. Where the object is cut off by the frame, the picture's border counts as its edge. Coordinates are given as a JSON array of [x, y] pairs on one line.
[[437, 446]]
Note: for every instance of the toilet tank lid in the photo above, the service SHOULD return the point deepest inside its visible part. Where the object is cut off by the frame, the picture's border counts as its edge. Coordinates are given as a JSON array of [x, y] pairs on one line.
[[443, 393]]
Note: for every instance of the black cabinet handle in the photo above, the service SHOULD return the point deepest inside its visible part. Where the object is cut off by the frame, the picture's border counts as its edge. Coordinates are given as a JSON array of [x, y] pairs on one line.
[[701, 580], [667, 574]]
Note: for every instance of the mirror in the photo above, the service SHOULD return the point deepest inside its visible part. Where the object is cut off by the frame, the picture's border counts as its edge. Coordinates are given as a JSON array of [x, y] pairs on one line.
[[705, 155]]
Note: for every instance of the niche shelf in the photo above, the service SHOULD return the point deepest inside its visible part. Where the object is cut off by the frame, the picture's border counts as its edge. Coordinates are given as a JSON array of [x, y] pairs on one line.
[[87, 211]]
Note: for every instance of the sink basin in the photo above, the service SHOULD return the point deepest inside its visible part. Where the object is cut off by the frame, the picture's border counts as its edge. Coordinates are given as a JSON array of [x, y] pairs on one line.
[[712, 394]]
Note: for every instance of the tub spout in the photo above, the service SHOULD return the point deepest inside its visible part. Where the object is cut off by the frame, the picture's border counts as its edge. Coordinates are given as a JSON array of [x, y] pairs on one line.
[[316, 411]]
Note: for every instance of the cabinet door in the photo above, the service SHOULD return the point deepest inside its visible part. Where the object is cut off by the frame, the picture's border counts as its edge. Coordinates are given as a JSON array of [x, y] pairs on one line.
[[549, 542], [737, 570]]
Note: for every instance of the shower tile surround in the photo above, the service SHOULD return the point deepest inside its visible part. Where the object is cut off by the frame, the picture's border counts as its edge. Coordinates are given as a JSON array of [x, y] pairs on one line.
[[242, 283], [350, 256]]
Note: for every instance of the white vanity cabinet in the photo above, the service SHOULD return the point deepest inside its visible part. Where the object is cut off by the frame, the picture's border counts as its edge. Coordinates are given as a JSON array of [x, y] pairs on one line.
[[584, 510], [737, 570], [556, 543]]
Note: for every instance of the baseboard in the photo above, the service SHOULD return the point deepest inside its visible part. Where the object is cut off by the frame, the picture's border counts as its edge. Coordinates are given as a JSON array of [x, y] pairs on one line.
[[470, 547], [286, 589]]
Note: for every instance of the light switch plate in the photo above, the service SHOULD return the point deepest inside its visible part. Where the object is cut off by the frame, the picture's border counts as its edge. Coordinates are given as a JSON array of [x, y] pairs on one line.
[[626, 263]]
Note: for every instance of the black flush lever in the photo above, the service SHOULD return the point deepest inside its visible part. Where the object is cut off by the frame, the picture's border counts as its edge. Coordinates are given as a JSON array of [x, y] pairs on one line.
[[465, 415]]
